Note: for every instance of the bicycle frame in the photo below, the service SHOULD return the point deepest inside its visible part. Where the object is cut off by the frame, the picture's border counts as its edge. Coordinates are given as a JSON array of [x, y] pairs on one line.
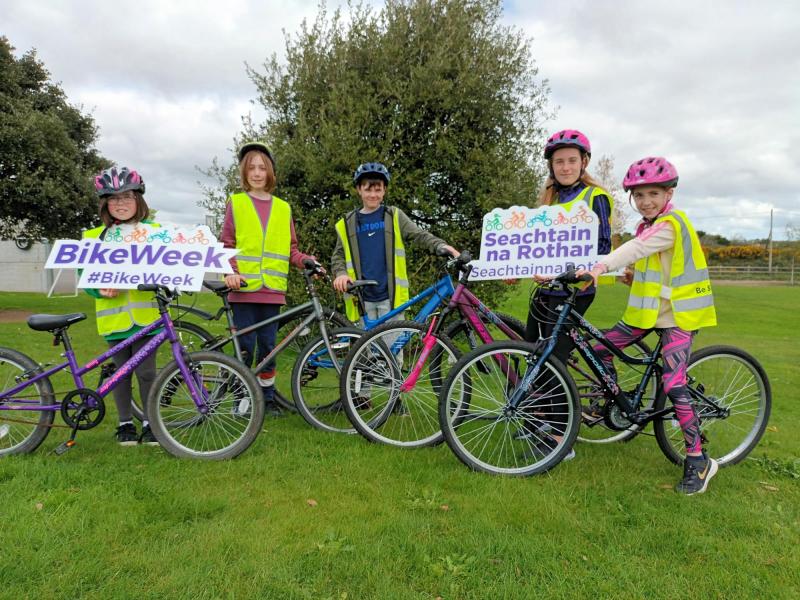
[[577, 328], [435, 295], [130, 365], [470, 308]]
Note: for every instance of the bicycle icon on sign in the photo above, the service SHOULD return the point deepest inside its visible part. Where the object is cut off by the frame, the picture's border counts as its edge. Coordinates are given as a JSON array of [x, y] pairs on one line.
[[495, 224], [542, 218], [515, 221]]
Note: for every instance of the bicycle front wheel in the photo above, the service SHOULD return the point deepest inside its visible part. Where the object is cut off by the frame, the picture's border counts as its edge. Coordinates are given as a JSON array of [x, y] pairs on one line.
[[389, 397], [315, 381], [232, 399], [487, 433], [732, 396], [192, 337], [286, 360], [22, 431]]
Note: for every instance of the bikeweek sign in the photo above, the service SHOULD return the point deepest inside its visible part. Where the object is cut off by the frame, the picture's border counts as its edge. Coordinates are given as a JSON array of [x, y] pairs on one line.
[[131, 255], [521, 242]]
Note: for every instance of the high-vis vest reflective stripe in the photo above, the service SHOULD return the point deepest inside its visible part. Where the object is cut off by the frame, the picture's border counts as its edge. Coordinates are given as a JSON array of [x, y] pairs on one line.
[[401, 293], [689, 285], [263, 259], [591, 192], [128, 308]]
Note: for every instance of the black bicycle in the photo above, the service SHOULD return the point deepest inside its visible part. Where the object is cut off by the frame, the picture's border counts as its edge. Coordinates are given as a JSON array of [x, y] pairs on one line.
[[512, 408]]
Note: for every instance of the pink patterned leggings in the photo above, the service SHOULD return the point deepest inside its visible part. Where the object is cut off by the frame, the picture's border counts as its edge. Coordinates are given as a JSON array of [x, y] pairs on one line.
[[677, 346]]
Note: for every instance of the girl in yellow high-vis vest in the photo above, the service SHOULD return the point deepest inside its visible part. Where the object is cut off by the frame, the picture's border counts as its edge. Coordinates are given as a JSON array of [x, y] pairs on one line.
[[121, 313], [670, 292], [260, 225]]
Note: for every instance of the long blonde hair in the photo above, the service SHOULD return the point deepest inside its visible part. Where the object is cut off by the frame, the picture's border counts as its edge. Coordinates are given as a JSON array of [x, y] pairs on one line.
[[549, 193]]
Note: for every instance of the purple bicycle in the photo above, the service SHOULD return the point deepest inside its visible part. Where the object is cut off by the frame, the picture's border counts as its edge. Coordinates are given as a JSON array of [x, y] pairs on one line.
[[203, 405]]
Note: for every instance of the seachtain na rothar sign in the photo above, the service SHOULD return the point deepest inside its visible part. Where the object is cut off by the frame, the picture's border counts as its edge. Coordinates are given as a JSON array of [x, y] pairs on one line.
[[128, 256], [521, 242]]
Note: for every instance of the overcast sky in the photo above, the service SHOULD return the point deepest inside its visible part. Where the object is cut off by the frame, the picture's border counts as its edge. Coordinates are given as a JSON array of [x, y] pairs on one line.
[[713, 86]]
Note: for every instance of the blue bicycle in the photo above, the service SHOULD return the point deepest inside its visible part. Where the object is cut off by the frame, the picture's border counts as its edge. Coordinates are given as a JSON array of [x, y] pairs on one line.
[[315, 379]]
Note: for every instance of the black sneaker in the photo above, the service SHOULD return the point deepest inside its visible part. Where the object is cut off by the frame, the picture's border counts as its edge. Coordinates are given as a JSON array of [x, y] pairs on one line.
[[697, 472], [147, 438], [543, 447], [362, 403], [126, 435], [271, 409], [401, 409]]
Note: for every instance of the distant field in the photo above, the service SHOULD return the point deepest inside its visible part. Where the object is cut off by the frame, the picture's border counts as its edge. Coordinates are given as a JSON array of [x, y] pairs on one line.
[[303, 514]]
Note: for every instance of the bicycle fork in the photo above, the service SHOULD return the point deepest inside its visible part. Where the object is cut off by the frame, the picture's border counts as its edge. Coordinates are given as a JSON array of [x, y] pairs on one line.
[[427, 346]]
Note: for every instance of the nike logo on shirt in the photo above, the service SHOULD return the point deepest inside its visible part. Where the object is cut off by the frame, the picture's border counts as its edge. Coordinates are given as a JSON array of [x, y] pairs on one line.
[[371, 234]]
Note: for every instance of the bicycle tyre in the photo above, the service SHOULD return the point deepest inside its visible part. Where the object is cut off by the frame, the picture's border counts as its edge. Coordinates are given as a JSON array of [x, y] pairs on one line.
[[736, 381], [23, 438], [315, 383], [236, 412], [481, 428], [384, 416], [627, 376]]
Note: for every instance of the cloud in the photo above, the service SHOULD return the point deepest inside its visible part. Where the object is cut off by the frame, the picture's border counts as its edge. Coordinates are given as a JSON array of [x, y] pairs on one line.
[[711, 85]]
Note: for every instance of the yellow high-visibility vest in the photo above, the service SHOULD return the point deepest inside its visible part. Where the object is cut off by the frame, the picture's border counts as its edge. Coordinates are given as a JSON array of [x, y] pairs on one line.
[[689, 287], [128, 308], [588, 194], [263, 259], [401, 293]]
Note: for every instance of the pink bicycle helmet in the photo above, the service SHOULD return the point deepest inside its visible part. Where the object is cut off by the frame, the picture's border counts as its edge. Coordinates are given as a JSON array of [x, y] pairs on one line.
[[113, 181], [653, 170], [567, 138]]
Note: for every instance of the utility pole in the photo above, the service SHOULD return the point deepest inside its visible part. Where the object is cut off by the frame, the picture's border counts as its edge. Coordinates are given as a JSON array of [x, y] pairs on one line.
[[770, 241]]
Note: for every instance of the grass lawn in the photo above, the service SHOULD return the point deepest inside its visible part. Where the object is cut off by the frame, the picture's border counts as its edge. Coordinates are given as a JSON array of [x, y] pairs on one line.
[[304, 514]]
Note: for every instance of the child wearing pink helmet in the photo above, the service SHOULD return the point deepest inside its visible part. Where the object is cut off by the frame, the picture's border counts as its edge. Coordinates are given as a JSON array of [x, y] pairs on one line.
[[670, 293], [568, 153]]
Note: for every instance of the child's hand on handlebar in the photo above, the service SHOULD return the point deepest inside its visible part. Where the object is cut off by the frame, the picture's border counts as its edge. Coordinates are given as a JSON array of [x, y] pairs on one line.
[[597, 270], [341, 282], [452, 251], [234, 281]]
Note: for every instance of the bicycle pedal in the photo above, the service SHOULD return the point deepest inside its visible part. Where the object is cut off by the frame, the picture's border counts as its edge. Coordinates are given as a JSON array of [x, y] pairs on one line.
[[64, 446]]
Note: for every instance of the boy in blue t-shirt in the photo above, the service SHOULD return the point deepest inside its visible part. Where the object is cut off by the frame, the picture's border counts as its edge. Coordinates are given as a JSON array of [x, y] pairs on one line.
[[367, 246]]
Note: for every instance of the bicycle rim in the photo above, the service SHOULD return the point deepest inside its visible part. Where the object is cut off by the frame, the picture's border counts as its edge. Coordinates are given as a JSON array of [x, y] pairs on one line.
[[486, 433], [732, 397], [235, 408]]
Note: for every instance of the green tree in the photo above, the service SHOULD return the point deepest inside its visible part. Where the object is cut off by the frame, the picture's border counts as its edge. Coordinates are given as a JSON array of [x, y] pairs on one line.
[[47, 157], [438, 90]]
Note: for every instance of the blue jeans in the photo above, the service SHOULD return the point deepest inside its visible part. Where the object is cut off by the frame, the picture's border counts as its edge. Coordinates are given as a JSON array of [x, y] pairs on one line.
[[259, 343]]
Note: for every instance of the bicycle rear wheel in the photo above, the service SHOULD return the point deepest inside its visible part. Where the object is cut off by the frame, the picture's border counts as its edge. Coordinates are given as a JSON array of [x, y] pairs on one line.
[[315, 381], [22, 431], [732, 396], [376, 369], [233, 398], [489, 435], [595, 430]]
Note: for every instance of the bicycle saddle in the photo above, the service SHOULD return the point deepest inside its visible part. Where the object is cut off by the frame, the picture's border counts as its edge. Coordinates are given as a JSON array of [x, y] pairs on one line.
[[53, 322]]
